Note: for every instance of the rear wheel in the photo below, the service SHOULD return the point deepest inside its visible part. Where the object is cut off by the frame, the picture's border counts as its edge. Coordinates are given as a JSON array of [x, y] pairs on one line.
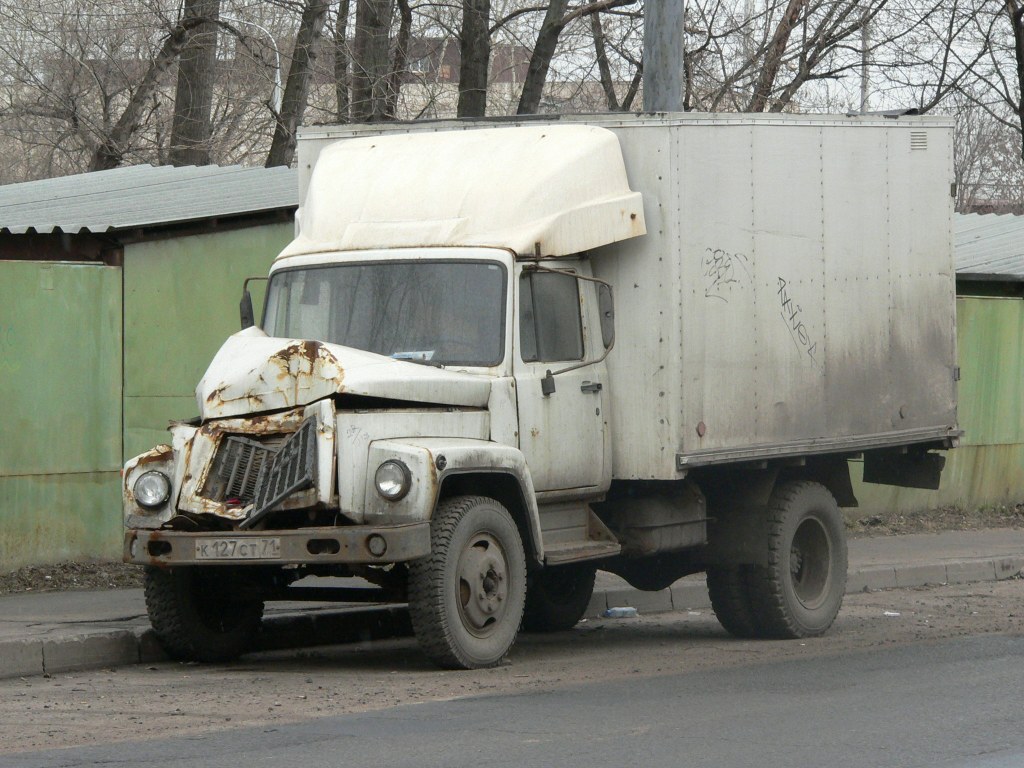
[[466, 598], [193, 618], [730, 600], [557, 597], [799, 592]]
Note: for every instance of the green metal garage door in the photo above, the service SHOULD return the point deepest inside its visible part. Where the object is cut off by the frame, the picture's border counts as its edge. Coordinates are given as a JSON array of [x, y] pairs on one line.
[[60, 401]]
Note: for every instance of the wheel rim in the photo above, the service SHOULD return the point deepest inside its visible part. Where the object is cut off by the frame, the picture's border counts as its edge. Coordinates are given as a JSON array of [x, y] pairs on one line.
[[482, 585], [810, 562]]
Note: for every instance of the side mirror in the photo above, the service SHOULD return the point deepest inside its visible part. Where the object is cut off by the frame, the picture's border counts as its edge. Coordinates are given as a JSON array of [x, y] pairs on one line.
[[606, 308], [245, 310], [547, 384]]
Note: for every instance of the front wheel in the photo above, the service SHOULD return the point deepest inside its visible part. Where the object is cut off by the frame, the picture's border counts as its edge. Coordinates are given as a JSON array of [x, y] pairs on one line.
[[799, 592], [193, 617], [466, 597]]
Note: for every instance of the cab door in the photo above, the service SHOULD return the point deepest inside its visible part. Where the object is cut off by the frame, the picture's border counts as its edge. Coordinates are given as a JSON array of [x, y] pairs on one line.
[[564, 435]]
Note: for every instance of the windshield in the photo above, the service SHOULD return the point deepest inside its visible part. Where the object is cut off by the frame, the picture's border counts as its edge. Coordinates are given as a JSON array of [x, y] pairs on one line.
[[439, 312]]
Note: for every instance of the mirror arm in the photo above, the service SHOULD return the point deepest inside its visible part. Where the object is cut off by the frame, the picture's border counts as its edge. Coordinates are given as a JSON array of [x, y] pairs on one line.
[[585, 363]]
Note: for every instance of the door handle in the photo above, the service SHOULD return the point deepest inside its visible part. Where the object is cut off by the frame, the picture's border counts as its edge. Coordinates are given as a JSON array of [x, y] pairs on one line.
[[590, 386]]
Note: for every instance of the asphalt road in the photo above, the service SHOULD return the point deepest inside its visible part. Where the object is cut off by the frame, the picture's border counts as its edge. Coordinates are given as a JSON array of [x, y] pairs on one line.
[[951, 703]]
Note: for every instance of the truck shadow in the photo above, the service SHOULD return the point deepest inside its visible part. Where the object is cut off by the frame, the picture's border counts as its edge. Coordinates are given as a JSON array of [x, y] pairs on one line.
[[381, 638]]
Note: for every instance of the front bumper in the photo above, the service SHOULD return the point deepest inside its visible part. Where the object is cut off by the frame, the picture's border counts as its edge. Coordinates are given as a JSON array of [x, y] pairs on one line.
[[350, 544]]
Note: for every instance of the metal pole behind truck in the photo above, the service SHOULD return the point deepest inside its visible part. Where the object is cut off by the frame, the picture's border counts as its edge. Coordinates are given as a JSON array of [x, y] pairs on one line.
[[663, 55]]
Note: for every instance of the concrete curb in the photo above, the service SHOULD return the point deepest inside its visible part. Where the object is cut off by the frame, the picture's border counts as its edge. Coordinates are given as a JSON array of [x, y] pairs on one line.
[[89, 650], [21, 657], [691, 595]]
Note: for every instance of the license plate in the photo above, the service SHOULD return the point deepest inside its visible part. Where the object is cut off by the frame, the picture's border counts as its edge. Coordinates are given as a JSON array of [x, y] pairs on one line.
[[249, 548]]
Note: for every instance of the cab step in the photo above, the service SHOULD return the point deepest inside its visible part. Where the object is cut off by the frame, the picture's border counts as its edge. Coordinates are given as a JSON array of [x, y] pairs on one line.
[[572, 533]]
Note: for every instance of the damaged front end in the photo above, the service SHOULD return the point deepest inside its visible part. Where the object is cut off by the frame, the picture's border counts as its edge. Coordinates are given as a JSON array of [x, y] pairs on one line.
[[258, 489], [232, 473], [239, 470], [255, 478]]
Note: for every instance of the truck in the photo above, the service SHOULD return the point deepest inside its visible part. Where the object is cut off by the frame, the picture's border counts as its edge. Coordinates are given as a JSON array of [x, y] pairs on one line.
[[500, 356]]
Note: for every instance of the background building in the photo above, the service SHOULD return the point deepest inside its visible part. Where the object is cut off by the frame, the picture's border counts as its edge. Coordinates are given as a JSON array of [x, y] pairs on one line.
[[116, 289]]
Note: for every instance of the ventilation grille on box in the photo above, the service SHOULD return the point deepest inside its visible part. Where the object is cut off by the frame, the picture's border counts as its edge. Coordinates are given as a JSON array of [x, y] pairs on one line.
[[918, 140]]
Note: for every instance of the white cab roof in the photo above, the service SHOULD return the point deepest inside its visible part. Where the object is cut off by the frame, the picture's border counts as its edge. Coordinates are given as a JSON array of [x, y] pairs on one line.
[[559, 188]]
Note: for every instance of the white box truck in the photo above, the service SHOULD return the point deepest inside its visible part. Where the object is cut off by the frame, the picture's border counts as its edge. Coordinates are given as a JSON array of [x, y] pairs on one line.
[[500, 356]]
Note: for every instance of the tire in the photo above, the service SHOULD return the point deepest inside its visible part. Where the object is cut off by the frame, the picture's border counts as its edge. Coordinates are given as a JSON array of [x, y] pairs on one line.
[[799, 592], [195, 623], [466, 598], [730, 600], [557, 597]]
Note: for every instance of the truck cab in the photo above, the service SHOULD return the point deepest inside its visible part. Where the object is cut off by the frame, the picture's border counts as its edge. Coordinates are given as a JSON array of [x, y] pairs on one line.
[[383, 388]]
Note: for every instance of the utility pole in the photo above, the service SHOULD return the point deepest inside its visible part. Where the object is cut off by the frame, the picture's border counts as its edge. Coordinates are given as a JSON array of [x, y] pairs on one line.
[[663, 55]]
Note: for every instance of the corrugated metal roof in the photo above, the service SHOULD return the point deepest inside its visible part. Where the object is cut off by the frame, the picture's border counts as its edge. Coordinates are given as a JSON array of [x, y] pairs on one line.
[[986, 245], [989, 246], [143, 196]]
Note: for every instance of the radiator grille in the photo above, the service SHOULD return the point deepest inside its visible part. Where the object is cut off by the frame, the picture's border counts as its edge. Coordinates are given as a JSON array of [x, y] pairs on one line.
[[236, 470], [292, 468]]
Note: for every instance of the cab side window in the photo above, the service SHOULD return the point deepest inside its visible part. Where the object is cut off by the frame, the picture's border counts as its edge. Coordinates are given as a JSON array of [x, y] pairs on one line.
[[549, 317]]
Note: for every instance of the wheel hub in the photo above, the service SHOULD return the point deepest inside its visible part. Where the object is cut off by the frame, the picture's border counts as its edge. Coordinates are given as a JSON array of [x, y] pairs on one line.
[[810, 562], [483, 585]]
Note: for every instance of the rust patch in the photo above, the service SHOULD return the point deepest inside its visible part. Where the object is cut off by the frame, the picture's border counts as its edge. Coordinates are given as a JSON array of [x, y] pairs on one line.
[[431, 478], [215, 396], [154, 560], [156, 455], [301, 365], [310, 351], [260, 424]]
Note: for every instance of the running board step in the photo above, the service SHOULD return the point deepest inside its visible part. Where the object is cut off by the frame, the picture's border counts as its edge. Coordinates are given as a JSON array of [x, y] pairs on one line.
[[573, 533], [575, 553]]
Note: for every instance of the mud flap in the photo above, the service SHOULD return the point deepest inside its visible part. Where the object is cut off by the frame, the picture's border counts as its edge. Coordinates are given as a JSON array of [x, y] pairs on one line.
[[914, 469]]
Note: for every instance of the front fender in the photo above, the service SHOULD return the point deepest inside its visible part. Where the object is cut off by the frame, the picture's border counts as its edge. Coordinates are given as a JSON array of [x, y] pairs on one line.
[[430, 460], [160, 459]]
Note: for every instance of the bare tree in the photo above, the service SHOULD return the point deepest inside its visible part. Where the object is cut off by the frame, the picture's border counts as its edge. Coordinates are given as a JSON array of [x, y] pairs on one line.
[[342, 81], [475, 49], [543, 50], [110, 151], [371, 60], [556, 18], [296, 90], [773, 56], [400, 60], [604, 68], [1015, 15], [90, 84], [193, 100]]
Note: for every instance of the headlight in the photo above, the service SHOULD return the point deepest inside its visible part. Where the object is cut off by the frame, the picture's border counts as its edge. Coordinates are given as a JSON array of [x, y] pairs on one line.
[[152, 490], [393, 480]]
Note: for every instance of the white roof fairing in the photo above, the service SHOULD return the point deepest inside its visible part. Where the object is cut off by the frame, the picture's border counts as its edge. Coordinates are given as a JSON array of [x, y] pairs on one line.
[[562, 186]]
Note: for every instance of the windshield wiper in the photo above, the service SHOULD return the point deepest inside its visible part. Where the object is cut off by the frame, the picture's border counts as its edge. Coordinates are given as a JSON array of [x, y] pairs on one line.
[[423, 358], [421, 361]]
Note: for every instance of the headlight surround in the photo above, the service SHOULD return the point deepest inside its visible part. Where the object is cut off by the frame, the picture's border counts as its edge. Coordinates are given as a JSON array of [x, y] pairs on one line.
[[152, 489], [393, 480]]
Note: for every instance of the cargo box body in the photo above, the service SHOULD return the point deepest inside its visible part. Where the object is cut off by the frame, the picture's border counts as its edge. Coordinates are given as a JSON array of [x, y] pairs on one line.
[[794, 293]]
